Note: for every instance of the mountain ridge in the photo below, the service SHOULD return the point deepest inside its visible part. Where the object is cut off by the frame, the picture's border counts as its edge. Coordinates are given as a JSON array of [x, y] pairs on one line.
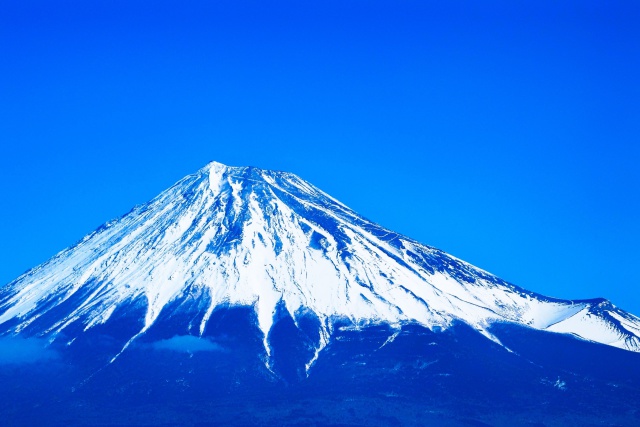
[[269, 240]]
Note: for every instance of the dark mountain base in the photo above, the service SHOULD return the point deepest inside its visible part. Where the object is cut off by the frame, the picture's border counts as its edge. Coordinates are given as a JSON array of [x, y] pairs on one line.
[[357, 411], [452, 378]]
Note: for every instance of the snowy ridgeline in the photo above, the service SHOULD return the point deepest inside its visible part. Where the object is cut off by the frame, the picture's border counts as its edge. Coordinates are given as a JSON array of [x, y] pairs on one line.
[[250, 237]]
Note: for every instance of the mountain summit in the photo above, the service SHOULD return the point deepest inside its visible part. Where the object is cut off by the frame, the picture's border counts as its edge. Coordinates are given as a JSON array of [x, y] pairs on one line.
[[242, 296], [268, 240]]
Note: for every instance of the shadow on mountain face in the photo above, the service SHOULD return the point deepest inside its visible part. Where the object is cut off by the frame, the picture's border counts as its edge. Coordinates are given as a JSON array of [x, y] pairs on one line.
[[373, 376]]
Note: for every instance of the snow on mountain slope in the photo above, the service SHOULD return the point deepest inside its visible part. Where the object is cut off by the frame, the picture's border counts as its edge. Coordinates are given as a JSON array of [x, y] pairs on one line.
[[252, 237]]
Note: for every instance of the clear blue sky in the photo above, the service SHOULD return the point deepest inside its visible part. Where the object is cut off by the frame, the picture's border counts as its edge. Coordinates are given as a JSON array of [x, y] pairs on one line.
[[505, 133]]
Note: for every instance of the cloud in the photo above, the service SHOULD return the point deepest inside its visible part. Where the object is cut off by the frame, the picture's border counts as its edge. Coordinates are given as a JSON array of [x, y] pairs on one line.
[[187, 344], [16, 350]]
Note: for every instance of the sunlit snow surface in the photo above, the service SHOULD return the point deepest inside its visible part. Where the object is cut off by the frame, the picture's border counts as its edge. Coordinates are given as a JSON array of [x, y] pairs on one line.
[[252, 237]]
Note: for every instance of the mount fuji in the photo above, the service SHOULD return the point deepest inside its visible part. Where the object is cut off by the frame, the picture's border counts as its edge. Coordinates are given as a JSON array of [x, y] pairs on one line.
[[248, 296]]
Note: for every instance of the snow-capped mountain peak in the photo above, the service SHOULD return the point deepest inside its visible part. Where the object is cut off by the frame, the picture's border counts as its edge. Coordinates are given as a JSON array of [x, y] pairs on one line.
[[265, 239]]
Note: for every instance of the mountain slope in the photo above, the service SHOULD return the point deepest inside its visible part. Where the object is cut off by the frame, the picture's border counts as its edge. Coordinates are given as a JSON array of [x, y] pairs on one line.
[[242, 236]]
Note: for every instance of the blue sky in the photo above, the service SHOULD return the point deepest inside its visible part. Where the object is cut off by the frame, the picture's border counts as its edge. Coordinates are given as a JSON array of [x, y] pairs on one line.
[[506, 134]]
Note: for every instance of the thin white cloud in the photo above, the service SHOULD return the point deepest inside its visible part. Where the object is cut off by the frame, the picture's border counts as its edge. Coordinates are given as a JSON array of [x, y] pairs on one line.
[[15, 350], [187, 344]]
